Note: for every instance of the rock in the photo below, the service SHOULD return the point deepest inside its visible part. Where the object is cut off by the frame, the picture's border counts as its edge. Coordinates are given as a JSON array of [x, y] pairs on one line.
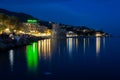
[[2, 46]]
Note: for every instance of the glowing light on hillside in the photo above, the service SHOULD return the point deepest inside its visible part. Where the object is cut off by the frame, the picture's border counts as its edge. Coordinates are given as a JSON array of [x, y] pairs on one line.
[[14, 30], [32, 21], [21, 32], [7, 30], [44, 34]]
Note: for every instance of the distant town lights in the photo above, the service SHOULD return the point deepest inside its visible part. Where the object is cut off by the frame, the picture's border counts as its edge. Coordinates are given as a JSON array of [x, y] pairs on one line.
[[7, 30], [21, 32], [98, 34], [44, 34], [14, 30]]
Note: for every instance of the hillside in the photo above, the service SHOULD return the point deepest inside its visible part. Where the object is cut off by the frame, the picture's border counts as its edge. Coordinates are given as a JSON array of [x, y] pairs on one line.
[[22, 16], [81, 30]]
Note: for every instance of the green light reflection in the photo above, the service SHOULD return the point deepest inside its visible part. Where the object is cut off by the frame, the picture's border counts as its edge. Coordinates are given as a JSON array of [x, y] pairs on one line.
[[32, 56]]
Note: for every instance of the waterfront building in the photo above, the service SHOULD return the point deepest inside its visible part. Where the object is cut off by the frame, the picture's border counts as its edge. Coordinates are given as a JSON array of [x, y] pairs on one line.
[[98, 34], [71, 34], [34, 28], [30, 26], [57, 31]]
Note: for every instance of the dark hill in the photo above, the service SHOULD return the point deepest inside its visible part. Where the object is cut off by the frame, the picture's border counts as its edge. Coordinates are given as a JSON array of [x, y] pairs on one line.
[[22, 16]]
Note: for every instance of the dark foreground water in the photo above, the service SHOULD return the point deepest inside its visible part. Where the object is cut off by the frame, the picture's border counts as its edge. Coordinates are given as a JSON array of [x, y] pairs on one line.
[[63, 59]]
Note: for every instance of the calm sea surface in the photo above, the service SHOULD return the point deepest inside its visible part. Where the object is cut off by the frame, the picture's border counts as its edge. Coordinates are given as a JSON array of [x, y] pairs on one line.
[[63, 59]]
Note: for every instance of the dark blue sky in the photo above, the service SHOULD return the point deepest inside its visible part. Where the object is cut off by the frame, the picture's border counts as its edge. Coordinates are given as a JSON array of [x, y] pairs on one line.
[[98, 14]]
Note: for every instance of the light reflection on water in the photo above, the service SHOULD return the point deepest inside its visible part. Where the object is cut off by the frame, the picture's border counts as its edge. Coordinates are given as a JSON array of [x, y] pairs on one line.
[[84, 44], [11, 58], [44, 49], [70, 45], [61, 56], [32, 57], [88, 42], [104, 42], [98, 44], [76, 43]]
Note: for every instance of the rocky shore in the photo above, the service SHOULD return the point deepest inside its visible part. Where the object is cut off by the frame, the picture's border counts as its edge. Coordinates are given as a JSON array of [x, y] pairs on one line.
[[8, 42]]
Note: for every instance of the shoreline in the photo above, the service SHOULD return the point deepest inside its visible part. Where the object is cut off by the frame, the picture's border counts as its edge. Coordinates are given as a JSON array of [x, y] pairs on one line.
[[7, 45]]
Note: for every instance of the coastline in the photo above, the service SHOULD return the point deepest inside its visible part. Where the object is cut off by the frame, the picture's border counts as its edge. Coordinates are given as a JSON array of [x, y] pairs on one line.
[[11, 44], [25, 40]]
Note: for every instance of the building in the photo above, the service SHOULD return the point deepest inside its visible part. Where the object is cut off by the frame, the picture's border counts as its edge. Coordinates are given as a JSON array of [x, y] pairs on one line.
[[30, 26], [57, 31], [98, 34], [71, 34]]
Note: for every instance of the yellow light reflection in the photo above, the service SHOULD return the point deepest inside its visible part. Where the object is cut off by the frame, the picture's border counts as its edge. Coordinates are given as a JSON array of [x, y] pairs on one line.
[[69, 45], [45, 48], [11, 58], [39, 48], [7, 30], [49, 47], [104, 42], [76, 42], [84, 44], [88, 42], [97, 45]]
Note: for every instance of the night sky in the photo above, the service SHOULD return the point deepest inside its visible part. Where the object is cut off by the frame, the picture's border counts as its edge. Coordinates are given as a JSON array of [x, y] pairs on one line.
[[97, 14]]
